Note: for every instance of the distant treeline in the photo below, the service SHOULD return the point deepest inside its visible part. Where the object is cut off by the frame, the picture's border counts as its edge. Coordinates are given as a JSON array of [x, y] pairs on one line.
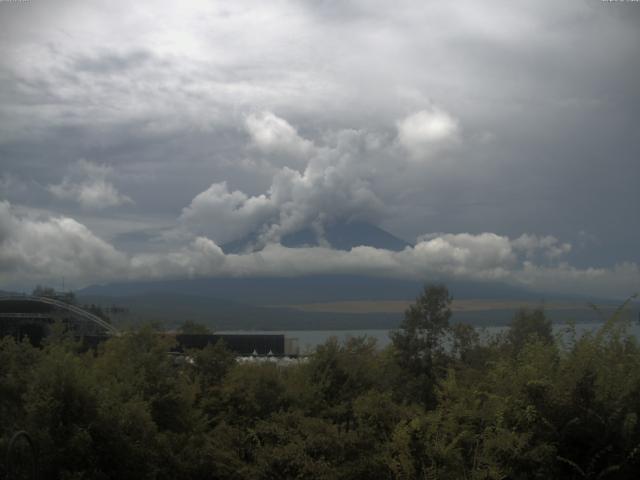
[[523, 405]]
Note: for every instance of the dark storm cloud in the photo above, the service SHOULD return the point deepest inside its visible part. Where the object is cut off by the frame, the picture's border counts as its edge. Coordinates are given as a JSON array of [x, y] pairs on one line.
[[538, 103]]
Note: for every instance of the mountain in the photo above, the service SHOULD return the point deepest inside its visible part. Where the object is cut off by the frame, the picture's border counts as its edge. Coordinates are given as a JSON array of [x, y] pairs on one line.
[[269, 290], [261, 291], [172, 309], [160, 302], [305, 289], [261, 302], [339, 235]]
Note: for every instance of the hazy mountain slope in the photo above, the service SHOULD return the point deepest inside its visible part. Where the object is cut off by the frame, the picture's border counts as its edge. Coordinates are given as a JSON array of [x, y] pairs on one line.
[[307, 289], [173, 309], [244, 303], [340, 236], [344, 236]]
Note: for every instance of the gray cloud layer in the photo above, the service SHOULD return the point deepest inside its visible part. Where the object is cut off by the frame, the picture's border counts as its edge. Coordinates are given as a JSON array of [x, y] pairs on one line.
[[206, 122], [87, 184]]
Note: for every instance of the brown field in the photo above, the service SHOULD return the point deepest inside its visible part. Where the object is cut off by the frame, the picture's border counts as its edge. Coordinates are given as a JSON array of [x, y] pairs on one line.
[[399, 306]]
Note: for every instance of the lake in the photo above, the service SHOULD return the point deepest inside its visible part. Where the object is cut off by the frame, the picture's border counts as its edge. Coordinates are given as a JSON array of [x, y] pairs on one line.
[[308, 340]]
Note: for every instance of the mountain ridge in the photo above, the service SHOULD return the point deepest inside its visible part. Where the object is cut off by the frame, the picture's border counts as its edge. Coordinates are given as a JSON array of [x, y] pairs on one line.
[[261, 302], [337, 235]]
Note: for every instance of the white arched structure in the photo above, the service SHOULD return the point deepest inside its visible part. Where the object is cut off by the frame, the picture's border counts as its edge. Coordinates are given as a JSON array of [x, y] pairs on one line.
[[79, 312]]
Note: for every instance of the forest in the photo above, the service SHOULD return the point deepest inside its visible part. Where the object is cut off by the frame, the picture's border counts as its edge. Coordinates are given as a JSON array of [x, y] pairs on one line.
[[439, 403]]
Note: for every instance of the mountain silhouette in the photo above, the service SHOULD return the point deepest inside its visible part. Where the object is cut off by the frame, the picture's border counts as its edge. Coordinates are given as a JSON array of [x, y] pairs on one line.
[[338, 235]]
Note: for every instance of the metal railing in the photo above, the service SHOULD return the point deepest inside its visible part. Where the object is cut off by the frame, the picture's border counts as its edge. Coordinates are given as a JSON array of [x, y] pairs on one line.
[[65, 306]]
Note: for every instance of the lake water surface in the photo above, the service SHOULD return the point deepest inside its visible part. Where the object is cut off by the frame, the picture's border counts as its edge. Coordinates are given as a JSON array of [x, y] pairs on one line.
[[308, 340]]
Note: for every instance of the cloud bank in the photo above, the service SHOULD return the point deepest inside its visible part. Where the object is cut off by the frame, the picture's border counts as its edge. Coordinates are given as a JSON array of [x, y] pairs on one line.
[[52, 248], [317, 183], [224, 120], [332, 182], [37, 249]]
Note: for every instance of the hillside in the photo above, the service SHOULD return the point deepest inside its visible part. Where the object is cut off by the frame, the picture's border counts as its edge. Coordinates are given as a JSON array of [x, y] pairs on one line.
[[339, 235]]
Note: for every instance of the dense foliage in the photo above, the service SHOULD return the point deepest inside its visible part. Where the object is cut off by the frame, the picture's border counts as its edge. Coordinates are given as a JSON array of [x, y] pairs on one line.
[[437, 403]]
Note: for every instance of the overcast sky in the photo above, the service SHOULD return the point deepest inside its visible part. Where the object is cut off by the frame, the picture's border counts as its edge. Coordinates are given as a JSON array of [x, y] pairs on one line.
[[502, 138]]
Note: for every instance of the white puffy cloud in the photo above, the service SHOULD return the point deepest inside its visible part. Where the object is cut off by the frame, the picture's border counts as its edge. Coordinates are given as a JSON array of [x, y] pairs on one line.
[[52, 248], [86, 183], [274, 135], [202, 257], [481, 257], [548, 245], [226, 215], [426, 131], [336, 183], [465, 252]]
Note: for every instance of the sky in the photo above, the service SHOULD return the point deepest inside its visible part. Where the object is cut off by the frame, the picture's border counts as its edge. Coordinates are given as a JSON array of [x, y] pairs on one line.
[[500, 138]]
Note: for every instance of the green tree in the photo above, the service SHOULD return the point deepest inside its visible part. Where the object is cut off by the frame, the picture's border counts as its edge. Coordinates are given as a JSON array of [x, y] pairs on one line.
[[61, 404], [529, 325], [252, 392], [17, 361], [137, 364], [194, 328], [466, 345], [212, 363], [418, 343], [339, 373]]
